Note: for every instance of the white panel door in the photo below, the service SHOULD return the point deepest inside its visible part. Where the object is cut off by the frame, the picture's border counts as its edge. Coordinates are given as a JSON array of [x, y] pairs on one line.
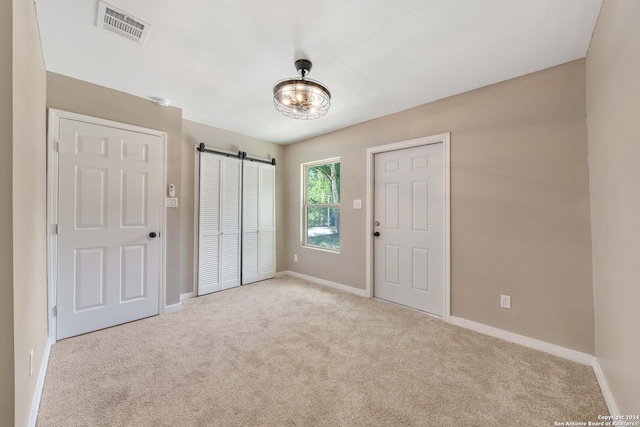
[[219, 223], [409, 208], [110, 193], [258, 224]]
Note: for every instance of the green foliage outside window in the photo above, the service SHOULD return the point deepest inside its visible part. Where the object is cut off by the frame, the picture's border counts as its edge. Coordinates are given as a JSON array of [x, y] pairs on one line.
[[322, 205]]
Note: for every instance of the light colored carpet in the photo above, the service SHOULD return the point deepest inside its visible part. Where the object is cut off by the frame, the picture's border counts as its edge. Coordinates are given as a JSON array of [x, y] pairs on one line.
[[286, 352]]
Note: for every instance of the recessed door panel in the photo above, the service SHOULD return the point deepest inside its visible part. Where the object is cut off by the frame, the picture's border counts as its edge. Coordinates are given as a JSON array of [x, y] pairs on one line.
[[392, 264], [134, 284], [134, 199], [420, 162], [92, 145], [392, 205], [420, 205], [91, 198], [420, 273], [135, 151], [89, 286]]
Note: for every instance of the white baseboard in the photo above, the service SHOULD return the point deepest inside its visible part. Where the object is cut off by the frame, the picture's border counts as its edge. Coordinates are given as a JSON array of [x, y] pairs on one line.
[[37, 395], [187, 295], [173, 307], [339, 286], [604, 386], [556, 350]]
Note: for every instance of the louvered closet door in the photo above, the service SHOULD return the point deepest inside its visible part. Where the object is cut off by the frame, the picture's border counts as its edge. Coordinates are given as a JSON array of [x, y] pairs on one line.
[[250, 230], [258, 243], [267, 252], [219, 223]]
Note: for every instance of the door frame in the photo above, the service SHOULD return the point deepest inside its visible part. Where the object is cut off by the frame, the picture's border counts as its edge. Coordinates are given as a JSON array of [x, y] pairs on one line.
[[53, 127], [443, 138]]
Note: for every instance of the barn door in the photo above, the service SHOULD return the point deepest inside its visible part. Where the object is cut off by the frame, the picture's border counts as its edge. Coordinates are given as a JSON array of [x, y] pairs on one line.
[[258, 222], [219, 223]]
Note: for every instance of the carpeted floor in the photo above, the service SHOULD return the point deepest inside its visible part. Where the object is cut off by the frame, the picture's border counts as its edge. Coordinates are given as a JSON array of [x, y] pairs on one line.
[[285, 352]]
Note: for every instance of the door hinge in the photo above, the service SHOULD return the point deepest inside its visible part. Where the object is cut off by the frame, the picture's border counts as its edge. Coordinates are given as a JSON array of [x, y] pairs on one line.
[[55, 310], [55, 228], [57, 146]]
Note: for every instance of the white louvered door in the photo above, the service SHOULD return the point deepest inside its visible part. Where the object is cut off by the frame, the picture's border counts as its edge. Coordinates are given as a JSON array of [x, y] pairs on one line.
[[219, 223], [258, 224], [267, 251], [250, 222]]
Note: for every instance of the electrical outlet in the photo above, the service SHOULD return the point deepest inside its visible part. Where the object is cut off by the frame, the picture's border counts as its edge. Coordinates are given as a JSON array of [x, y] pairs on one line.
[[31, 363], [505, 301], [295, 258]]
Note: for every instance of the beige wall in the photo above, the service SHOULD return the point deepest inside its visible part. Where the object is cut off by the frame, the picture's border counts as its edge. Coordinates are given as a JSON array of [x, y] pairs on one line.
[[6, 217], [29, 206], [613, 105], [195, 133], [519, 202], [66, 93]]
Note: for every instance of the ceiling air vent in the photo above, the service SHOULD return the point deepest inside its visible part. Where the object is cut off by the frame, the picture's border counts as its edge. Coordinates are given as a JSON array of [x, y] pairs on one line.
[[122, 23]]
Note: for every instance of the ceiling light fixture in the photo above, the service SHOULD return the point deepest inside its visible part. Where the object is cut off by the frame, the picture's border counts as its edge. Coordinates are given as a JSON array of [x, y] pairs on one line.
[[301, 98]]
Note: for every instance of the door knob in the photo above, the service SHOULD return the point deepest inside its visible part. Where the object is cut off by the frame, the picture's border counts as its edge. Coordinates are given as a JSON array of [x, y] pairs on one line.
[[376, 234], [153, 235]]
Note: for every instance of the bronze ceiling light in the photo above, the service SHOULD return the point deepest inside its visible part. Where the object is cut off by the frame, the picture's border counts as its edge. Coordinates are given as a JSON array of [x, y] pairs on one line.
[[302, 98]]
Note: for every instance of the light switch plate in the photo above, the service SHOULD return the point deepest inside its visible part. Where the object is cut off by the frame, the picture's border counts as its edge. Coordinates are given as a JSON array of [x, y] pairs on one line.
[[172, 202], [505, 301], [357, 204]]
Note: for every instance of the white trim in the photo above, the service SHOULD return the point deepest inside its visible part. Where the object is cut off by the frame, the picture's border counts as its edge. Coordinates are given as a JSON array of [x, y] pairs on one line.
[[173, 307], [556, 350], [339, 286], [443, 138], [37, 395], [604, 387], [53, 125], [52, 220], [187, 295]]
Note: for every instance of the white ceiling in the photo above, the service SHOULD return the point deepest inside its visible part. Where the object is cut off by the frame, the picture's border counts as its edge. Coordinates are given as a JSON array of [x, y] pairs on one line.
[[219, 59]]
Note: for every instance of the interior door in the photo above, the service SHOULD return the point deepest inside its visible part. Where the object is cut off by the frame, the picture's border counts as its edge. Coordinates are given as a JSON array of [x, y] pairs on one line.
[[267, 255], [250, 222], [218, 223], [109, 214], [409, 227], [258, 222]]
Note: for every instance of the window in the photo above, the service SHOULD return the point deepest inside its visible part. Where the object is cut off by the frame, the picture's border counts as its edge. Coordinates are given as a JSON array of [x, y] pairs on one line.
[[321, 204]]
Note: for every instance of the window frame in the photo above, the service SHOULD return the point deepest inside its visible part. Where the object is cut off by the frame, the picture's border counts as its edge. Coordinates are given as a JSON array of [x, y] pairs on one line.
[[305, 204]]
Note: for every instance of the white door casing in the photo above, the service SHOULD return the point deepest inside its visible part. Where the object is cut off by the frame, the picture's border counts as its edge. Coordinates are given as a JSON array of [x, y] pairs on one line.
[[415, 242], [258, 222], [218, 223], [109, 199]]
